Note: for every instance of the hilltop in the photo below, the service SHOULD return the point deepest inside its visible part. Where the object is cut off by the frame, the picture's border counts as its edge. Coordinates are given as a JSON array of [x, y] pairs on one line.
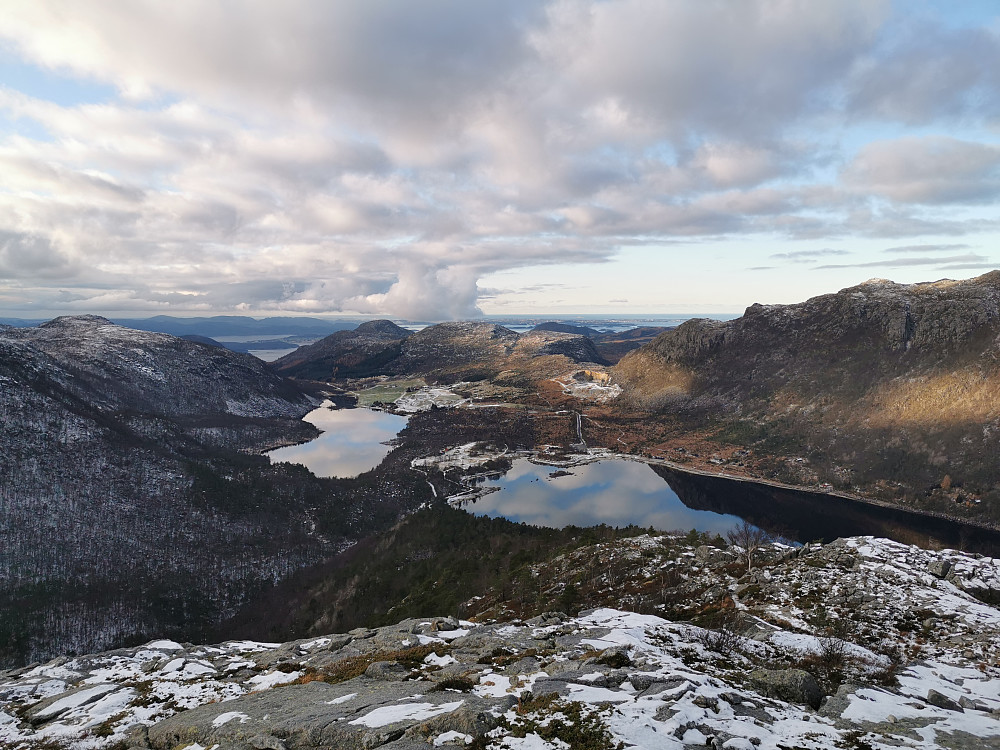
[[345, 354]]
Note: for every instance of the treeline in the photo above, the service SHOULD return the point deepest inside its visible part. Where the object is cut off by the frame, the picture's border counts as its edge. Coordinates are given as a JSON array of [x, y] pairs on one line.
[[429, 564]]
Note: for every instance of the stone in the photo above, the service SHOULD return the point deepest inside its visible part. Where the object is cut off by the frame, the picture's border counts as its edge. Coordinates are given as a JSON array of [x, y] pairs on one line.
[[303, 716], [641, 681], [967, 703], [266, 742], [792, 685], [53, 707], [337, 642], [472, 718], [704, 701], [942, 701], [939, 568], [387, 670]]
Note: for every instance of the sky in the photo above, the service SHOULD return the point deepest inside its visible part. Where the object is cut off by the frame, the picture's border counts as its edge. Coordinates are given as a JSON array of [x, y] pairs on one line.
[[445, 159]]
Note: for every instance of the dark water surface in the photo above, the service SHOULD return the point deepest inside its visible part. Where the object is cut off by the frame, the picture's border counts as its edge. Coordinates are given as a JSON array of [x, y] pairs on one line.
[[810, 516], [612, 492]]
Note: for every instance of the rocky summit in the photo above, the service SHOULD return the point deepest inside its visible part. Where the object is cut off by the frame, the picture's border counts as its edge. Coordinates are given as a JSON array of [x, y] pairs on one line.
[[605, 678]]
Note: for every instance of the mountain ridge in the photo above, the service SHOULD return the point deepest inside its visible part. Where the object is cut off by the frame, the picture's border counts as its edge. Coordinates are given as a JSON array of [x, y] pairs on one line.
[[133, 498], [451, 351], [911, 370]]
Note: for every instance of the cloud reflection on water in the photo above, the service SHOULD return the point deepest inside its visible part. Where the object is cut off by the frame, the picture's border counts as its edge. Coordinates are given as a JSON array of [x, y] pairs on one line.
[[614, 492], [351, 442]]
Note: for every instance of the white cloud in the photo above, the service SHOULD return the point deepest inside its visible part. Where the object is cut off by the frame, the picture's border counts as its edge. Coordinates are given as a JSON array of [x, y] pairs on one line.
[[927, 169], [382, 155]]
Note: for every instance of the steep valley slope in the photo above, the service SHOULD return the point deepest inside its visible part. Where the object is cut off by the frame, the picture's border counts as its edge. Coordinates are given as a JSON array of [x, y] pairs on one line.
[[133, 499], [882, 389]]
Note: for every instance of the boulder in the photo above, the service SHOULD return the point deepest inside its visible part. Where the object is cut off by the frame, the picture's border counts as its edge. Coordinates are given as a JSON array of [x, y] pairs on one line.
[[387, 670], [939, 568], [942, 701], [792, 685]]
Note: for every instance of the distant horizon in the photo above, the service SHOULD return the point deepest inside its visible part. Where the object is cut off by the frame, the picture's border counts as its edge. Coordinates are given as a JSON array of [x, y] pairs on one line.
[[535, 315], [639, 317]]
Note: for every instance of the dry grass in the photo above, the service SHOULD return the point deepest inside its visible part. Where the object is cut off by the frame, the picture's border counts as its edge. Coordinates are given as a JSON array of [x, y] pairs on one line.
[[652, 381], [959, 397]]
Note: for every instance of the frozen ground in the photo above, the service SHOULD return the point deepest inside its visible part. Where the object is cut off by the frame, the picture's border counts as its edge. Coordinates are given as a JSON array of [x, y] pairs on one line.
[[615, 676]]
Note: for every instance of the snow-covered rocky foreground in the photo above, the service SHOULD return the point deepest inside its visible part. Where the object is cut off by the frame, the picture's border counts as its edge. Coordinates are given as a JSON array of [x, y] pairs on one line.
[[604, 679]]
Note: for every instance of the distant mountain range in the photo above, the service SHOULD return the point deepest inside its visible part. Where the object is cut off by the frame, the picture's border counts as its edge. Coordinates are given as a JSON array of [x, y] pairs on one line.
[[469, 350], [283, 333]]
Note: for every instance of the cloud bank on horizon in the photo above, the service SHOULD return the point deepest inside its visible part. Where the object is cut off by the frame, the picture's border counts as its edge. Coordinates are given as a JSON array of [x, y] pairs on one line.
[[425, 160]]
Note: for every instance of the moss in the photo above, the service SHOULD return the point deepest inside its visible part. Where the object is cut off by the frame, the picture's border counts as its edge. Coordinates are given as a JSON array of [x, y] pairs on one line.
[[552, 718], [462, 684]]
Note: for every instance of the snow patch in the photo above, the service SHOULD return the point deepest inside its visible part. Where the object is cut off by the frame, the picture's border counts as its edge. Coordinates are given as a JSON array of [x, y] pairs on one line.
[[385, 715]]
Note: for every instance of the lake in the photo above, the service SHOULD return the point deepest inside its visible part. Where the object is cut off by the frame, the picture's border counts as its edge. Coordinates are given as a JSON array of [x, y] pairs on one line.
[[619, 492], [808, 516], [612, 492], [351, 444]]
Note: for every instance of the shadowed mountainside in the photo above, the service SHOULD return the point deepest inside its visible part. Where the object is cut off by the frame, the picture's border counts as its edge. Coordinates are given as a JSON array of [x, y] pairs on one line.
[[611, 346], [345, 354], [131, 501]]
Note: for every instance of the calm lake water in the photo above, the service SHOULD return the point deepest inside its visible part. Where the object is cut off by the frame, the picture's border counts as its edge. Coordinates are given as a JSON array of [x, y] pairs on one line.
[[811, 516], [619, 492], [613, 492], [351, 443]]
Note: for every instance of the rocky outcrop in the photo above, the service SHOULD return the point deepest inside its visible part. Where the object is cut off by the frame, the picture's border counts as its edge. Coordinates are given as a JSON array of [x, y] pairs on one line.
[[600, 678], [793, 685], [843, 343], [543, 681]]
